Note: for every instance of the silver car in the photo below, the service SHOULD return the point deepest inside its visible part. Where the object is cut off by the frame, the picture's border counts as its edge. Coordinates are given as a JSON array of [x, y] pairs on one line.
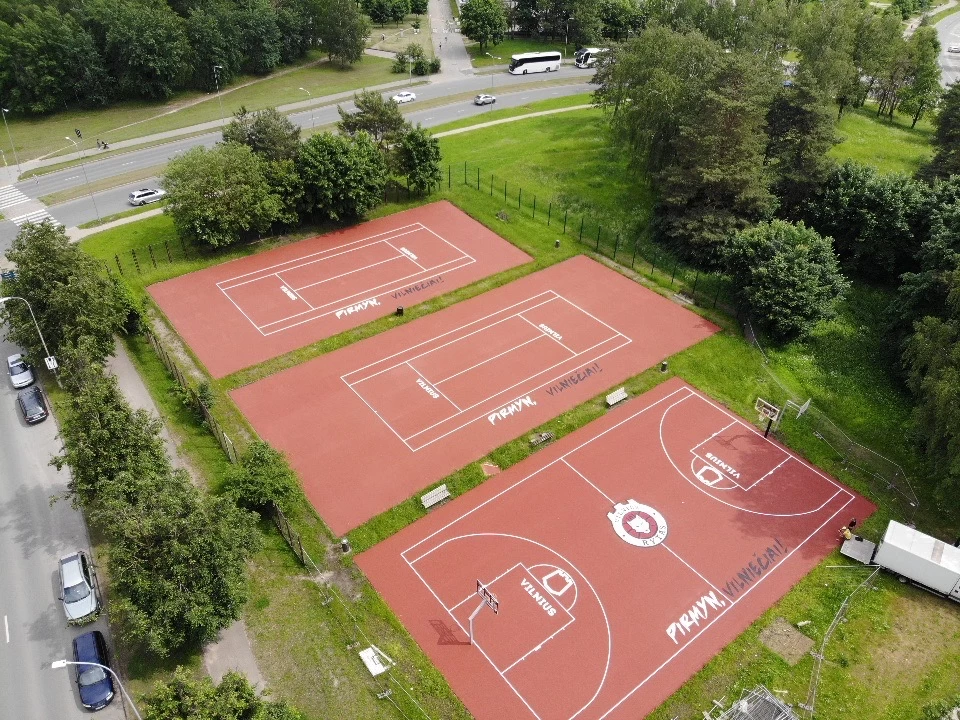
[[21, 374], [146, 195], [77, 591]]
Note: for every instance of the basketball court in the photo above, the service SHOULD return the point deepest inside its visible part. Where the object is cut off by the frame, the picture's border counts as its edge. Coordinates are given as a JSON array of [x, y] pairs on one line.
[[372, 423], [594, 578], [244, 312]]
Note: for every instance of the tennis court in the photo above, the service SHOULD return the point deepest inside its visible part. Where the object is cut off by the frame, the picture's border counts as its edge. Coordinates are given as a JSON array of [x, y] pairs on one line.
[[594, 578], [246, 311], [372, 423]]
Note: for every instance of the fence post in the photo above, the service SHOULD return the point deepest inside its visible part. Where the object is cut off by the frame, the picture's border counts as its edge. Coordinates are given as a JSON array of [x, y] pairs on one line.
[[183, 247], [519, 196], [448, 176], [599, 228], [464, 172], [674, 273], [633, 261], [136, 262], [616, 247], [565, 221], [717, 296], [534, 207], [549, 213], [491, 184], [580, 239], [696, 279], [504, 190], [119, 266], [152, 258], [166, 246]]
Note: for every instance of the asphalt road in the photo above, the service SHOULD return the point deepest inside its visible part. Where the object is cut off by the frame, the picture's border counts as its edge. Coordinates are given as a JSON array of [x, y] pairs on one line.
[[948, 30], [81, 210], [33, 536]]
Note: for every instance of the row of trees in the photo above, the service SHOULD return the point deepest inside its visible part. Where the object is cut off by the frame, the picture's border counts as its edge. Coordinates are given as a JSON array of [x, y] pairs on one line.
[[261, 176], [53, 55], [383, 11]]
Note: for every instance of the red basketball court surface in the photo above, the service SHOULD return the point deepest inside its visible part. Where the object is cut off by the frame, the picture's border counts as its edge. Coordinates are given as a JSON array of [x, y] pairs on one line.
[[243, 312], [621, 559], [372, 423]]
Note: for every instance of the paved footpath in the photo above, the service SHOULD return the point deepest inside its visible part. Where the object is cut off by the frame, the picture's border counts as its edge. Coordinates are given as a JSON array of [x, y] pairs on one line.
[[232, 649]]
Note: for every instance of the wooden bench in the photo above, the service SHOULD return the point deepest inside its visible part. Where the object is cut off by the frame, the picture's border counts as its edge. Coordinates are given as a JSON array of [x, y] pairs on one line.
[[616, 396], [541, 438], [437, 495]]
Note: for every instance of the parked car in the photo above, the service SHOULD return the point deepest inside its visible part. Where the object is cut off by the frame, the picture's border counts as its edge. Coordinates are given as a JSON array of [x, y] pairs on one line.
[[404, 97], [95, 683], [484, 99], [146, 195], [21, 374], [953, 48], [32, 404], [77, 591]]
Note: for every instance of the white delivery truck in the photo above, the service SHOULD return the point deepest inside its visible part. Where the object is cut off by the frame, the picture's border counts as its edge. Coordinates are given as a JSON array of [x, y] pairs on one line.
[[912, 556]]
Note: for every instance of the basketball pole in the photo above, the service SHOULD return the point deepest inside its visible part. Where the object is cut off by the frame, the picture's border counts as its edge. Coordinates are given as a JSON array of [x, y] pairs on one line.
[[473, 615], [769, 425]]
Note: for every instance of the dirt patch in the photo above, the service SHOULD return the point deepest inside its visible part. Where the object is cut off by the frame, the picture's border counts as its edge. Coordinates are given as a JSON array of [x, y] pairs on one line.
[[786, 641], [490, 469], [172, 344]]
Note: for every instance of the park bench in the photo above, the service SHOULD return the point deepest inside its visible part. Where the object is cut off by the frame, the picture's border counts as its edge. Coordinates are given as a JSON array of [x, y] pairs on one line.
[[541, 438], [437, 495], [616, 396]]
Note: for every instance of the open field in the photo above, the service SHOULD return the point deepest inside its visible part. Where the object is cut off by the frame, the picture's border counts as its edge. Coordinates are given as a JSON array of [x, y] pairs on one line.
[[898, 649], [890, 146], [399, 36], [511, 46]]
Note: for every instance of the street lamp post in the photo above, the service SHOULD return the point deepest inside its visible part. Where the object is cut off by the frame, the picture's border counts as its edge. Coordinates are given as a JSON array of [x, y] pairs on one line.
[[58, 664], [10, 137], [216, 82], [84, 169], [49, 359], [313, 119]]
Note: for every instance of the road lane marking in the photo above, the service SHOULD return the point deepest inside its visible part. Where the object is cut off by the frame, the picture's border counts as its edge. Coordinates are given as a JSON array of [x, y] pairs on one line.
[[6, 627], [127, 163]]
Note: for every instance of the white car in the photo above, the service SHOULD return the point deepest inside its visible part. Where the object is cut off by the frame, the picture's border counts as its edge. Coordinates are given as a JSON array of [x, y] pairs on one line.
[[953, 48], [20, 373], [77, 591], [484, 99], [146, 195], [404, 97]]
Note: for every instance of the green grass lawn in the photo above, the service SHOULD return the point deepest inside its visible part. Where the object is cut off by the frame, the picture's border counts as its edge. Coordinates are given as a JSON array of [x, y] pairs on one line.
[[398, 37], [36, 136], [890, 146], [494, 114], [898, 648], [512, 46]]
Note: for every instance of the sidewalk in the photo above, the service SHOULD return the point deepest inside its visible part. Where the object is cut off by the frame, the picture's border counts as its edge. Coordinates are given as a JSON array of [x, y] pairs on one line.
[[448, 43], [232, 649], [77, 234]]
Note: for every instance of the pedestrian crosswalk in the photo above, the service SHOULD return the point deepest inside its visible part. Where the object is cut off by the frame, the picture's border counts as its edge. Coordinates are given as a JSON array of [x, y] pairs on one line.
[[10, 196], [37, 216]]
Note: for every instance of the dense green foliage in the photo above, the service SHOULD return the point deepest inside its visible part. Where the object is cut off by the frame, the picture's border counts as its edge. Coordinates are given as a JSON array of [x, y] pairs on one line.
[[268, 133], [103, 50], [417, 156], [946, 140], [261, 478], [375, 115], [186, 698], [484, 21], [343, 177], [72, 300], [786, 276]]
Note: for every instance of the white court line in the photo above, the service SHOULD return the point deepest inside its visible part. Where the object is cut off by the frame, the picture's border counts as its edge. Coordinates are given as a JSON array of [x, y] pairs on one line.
[[443, 239], [437, 337], [771, 472], [486, 583], [339, 303], [329, 252], [587, 480], [351, 272], [572, 566], [690, 567], [6, 627], [405, 254], [717, 469], [399, 437], [544, 333], [257, 327], [287, 285], [491, 358], [433, 385], [704, 442]]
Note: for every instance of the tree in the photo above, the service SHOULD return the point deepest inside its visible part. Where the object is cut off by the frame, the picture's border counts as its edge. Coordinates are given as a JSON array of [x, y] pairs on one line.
[[286, 184], [418, 157], [185, 698], [379, 11], [71, 297], [946, 138], [825, 39], [484, 21], [399, 9], [217, 195], [343, 177], [262, 477], [261, 36], [177, 559], [343, 31], [215, 39], [419, 7], [375, 115], [786, 276], [924, 91], [48, 61], [268, 133], [619, 18]]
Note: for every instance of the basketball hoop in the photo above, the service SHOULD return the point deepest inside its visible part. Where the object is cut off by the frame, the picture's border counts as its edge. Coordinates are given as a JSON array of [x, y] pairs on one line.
[[768, 412], [488, 600]]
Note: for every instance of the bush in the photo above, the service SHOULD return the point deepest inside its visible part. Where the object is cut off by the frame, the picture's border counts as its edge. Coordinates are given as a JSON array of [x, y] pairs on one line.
[[262, 477], [421, 66], [400, 63], [435, 65]]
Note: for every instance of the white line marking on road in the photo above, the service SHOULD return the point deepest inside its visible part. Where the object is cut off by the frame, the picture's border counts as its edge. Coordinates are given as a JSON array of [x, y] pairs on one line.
[[6, 627], [127, 163], [72, 177]]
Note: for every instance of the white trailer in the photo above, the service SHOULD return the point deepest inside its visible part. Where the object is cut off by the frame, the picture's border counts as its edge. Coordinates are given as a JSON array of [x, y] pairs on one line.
[[914, 557]]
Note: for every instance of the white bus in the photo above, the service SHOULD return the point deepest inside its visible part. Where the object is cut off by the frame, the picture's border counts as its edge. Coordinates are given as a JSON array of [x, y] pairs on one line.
[[535, 62], [587, 57]]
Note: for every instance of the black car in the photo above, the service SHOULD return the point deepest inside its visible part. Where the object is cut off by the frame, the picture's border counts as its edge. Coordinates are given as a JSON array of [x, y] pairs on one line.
[[32, 404], [95, 683]]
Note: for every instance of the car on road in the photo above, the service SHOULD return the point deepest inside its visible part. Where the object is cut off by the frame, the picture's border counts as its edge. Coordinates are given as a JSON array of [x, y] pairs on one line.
[[404, 97], [32, 404], [484, 99], [95, 683], [146, 195], [21, 374], [77, 591], [953, 48]]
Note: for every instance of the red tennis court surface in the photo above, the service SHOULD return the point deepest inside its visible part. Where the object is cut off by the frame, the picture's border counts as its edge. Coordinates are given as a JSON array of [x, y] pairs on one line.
[[622, 559], [249, 310], [372, 423]]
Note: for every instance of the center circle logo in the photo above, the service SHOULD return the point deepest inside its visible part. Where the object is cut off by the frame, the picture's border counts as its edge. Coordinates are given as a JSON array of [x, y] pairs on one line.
[[638, 524]]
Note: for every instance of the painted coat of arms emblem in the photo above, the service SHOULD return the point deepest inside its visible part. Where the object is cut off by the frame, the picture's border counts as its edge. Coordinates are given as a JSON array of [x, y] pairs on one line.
[[638, 524]]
